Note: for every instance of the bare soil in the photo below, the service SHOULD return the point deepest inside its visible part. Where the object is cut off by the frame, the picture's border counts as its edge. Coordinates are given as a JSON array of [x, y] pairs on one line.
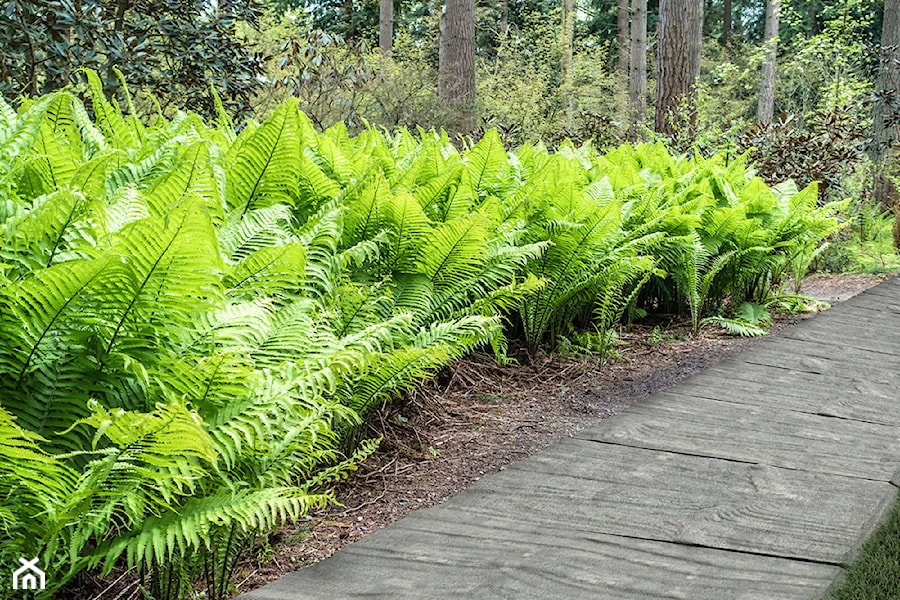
[[476, 417]]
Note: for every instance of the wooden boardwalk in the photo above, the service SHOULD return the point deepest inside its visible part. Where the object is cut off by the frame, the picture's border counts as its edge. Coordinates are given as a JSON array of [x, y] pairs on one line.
[[755, 479]]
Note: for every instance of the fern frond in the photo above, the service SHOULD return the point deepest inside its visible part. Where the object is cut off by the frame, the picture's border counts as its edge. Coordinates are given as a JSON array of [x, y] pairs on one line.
[[264, 169], [169, 268], [486, 164], [735, 326], [454, 251], [270, 271], [117, 131], [186, 531]]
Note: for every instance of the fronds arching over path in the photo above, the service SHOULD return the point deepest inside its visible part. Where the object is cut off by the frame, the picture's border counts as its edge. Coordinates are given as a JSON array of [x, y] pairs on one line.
[[757, 478]]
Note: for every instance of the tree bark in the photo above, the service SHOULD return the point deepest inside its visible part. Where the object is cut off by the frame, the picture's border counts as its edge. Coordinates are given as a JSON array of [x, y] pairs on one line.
[[766, 105], [637, 81], [122, 7], [456, 68], [726, 24], [678, 63], [886, 116], [386, 27], [567, 43], [504, 19], [350, 26], [622, 39]]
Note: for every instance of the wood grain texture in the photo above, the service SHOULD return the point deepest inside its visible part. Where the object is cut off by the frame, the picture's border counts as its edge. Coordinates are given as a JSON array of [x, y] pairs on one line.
[[700, 501], [439, 553], [756, 433]]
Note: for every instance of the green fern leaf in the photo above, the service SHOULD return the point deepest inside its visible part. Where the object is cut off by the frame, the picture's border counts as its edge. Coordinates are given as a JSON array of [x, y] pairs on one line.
[[264, 169]]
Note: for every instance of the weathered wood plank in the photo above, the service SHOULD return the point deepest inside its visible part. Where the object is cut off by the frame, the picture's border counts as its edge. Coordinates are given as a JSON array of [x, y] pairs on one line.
[[618, 490], [801, 392], [755, 433], [440, 553]]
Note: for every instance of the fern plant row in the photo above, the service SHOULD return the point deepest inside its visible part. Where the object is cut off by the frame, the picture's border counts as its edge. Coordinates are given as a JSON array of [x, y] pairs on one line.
[[195, 322]]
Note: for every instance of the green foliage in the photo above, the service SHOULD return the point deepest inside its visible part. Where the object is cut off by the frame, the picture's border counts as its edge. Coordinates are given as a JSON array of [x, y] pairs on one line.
[[196, 322], [155, 45], [748, 320], [826, 149]]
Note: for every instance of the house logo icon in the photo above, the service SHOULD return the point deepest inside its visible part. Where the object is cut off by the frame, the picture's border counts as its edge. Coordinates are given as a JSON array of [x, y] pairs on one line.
[[29, 576]]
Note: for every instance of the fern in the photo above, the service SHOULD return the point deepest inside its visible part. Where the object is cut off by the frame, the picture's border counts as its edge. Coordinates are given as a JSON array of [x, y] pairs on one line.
[[195, 323], [264, 169], [736, 326]]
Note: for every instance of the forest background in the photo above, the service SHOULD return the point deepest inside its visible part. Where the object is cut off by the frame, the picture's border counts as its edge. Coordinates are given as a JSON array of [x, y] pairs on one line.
[[808, 87], [812, 97]]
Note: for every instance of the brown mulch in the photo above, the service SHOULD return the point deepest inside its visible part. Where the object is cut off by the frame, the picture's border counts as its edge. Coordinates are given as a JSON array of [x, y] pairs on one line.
[[837, 287]]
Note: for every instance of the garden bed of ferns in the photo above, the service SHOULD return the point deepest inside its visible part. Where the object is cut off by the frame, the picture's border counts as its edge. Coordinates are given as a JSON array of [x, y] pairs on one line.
[[199, 323], [476, 417]]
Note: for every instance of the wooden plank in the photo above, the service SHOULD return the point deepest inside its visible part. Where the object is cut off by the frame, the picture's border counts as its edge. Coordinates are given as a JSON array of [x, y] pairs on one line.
[[862, 338], [439, 553], [803, 392], [866, 344], [664, 496], [847, 366], [755, 433], [780, 380]]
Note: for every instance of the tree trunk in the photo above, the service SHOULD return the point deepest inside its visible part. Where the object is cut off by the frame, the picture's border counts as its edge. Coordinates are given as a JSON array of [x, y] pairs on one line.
[[726, 24], [678, 63], [349, 27], [813, 27], [122, 7], [886, 117], [456, 68], [637, 82], [766, 105], [567, 43], [504, 19], [622, 39], [386, 27]]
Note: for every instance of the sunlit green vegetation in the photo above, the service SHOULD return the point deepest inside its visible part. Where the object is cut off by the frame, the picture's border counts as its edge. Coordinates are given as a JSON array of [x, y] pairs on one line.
[[196, 320]]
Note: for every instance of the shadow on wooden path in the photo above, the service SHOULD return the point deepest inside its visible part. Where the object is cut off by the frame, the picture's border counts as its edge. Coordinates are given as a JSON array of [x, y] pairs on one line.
[[755, 479]]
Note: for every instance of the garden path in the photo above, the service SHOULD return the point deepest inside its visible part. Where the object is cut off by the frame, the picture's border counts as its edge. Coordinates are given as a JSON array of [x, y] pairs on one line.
[[755, 479]]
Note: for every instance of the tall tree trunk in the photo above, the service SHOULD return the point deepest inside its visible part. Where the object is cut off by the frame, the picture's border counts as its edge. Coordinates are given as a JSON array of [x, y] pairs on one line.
[[122, 7], [813, 27], [622, 39], [349, 27], [567, 43], [637, 81], [766, 105], [678, 63], [504, 19], [726, 24], [456, 68], [886, 117], [386, 27]]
